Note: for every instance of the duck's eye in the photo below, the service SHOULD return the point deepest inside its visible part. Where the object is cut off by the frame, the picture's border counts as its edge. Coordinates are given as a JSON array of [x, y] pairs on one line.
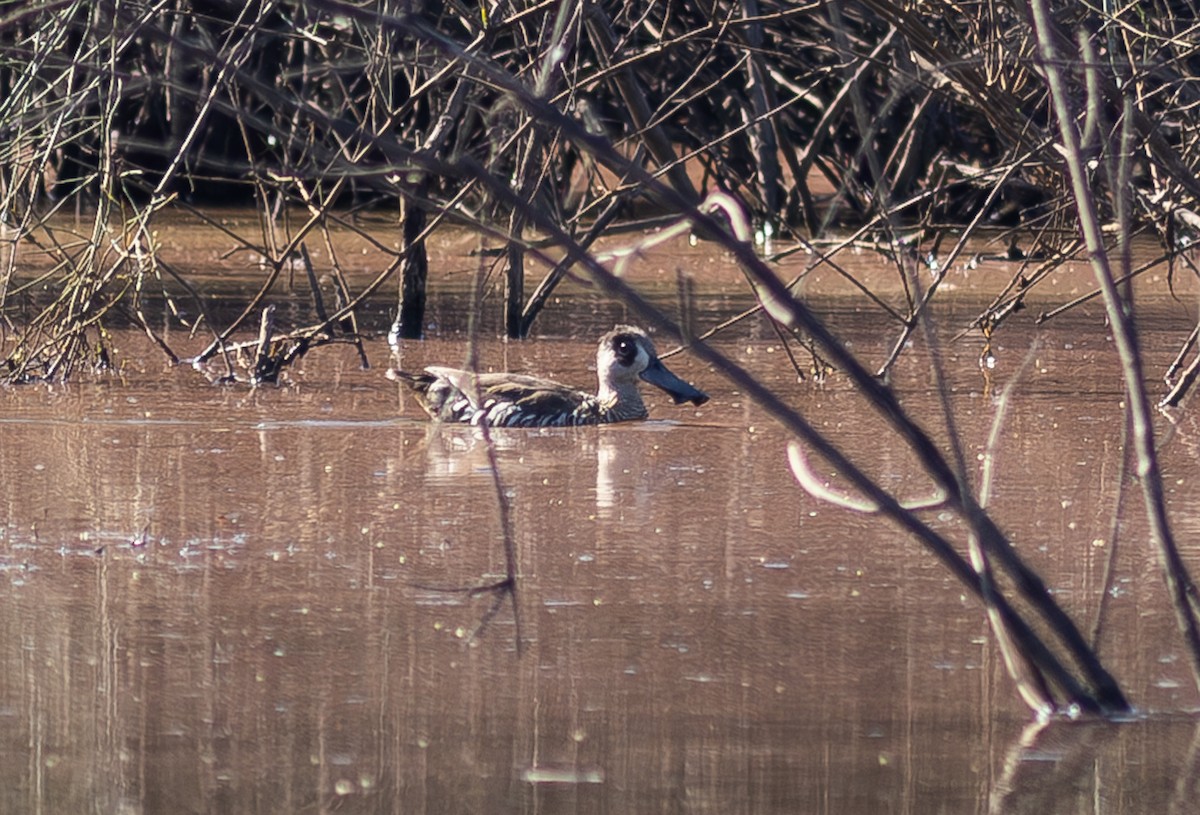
[[625, 350]]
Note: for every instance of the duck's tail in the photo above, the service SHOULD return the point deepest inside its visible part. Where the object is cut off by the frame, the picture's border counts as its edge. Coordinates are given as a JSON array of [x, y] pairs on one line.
[[422, 385], [419, 383]]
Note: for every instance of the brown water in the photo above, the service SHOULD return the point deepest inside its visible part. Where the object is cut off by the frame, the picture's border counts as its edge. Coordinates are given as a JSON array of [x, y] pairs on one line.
[[223, 600]]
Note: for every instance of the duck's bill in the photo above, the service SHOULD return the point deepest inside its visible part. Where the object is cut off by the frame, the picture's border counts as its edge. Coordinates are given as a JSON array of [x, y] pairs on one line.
[[658, 375]]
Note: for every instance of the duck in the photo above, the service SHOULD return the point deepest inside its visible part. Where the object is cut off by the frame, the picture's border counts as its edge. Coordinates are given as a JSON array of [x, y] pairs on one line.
[[624, 357]]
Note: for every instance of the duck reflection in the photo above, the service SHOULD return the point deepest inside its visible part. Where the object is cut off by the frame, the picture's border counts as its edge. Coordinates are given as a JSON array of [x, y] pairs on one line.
[[553, 458]]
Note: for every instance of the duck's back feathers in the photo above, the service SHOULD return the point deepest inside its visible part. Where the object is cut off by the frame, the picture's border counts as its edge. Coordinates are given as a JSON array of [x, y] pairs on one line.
[[499, 399]]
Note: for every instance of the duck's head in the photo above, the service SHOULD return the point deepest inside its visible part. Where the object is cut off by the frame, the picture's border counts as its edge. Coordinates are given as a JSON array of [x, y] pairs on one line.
[[626, 354]]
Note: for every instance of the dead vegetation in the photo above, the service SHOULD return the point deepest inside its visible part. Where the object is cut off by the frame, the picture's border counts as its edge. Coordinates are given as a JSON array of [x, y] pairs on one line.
[[915, 124]]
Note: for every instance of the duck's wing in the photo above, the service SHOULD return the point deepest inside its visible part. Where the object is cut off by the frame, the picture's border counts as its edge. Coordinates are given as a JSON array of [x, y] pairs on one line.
[[539, 397], [509, 399]]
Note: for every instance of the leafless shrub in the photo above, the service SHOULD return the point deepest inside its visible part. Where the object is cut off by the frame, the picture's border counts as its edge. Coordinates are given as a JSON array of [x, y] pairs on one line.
[[915, 120]]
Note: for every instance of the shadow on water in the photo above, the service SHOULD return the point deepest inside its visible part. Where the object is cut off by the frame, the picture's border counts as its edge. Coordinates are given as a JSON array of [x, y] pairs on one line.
[[214, 600]]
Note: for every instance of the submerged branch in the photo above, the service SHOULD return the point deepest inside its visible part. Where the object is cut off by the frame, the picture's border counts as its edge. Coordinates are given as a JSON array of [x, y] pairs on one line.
[[814, 486]]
